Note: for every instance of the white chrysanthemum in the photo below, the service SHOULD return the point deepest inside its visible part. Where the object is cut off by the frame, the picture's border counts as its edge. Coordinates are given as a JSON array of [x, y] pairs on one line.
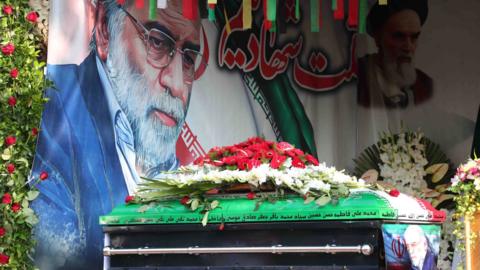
[[316, 185], [284, 179]]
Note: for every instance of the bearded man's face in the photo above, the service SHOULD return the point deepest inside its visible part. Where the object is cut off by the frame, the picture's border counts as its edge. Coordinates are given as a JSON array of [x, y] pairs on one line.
[[397, 43], [154, 96]]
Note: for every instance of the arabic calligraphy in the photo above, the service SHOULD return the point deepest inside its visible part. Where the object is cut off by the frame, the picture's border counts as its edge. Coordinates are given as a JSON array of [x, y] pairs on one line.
[[263, 53]]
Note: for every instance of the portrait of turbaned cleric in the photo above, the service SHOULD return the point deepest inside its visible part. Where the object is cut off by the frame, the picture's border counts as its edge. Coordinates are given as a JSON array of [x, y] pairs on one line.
[[111, 120], [389, 78]]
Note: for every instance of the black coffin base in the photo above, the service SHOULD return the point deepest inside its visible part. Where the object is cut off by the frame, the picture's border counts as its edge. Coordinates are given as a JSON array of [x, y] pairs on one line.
[[289, 234]]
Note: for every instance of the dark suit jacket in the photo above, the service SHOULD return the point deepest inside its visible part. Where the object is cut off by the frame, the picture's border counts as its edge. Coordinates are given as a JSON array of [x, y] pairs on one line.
[[76, 147]]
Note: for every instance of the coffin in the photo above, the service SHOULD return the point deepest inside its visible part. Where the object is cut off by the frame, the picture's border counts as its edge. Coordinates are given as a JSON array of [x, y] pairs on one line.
[[358, 232]]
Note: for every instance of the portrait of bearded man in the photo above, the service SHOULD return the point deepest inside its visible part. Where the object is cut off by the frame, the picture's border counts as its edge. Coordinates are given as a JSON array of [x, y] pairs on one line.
[[389, 77], [112, 119]]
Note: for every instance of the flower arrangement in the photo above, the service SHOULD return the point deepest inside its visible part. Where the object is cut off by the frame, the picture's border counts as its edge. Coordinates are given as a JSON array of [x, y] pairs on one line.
[[466, 186], [409, 162], [21, 103], [413, 164], [256, 165]]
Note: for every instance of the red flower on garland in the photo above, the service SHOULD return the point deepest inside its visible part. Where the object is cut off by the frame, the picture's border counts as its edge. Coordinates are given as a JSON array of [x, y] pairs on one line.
[[32, 16], [10, 140], [43, 175], [251, 195], [199, 161], [7, 10], [34, 132], [129, 199], [8, 49], [184, 200], [6, 198], [253, 163], [394, 192], [16, 207], [10, 168], [277, 161], [14, 73], [2, 231], [297, 163], [254, 152], [12, 101], [230, 160], [242, 164], [312, 159], [283, 147], [4, 258]]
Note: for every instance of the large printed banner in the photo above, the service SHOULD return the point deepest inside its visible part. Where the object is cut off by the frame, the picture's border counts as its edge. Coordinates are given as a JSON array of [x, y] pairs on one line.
[[136, 96]]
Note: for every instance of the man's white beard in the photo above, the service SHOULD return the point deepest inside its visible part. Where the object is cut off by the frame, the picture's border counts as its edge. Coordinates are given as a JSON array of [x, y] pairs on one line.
[[154, 142], [402, 75], [418, 262]]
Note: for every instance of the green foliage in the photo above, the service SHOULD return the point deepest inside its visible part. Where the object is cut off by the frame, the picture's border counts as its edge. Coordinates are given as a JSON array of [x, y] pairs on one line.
[[21, 104]]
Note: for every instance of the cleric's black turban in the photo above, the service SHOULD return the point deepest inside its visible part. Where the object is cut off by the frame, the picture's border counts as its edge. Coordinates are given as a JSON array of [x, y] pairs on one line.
[[379, 14]]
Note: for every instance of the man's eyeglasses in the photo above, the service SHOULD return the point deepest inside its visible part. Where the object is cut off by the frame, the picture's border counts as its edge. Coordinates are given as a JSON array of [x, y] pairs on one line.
[[161, 49]]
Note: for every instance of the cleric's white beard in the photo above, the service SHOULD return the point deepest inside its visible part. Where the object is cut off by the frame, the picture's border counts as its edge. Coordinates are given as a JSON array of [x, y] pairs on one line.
[[403, 74], [417, 261], [154, 142]]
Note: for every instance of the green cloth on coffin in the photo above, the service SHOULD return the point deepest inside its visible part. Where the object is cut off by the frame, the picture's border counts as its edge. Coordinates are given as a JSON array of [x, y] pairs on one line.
[[359, 206]]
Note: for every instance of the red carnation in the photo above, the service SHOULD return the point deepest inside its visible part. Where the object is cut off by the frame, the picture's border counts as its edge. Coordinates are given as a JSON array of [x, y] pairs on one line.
[[269, 154], [2, 231], [34, 131], [7, 10], [8, 49], [312, 159], [4, 258], [297, 163], [283, 147], [32, 16], [14, 73], [43, 175], [394, 192], [10, 140], [16, 207], [277, 161], [6, 198], [253, 163], [10, 168], [231, 160], [242, 164], [259, 147], [12, 101], [184, 200], [199, 161], [129, 199], [255, 140], [251, 195]]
